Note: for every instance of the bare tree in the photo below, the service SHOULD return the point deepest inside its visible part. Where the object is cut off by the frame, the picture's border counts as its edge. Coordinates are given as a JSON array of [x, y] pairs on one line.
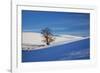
[[48, 36]]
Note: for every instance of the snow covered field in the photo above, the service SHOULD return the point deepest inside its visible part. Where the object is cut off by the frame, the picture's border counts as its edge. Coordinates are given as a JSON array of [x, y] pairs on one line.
[[65, 47], [33, 41], [77, 50]]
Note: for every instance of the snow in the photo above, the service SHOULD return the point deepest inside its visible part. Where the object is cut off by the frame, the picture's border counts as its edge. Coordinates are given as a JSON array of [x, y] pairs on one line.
[[31, 40], [77, 50]]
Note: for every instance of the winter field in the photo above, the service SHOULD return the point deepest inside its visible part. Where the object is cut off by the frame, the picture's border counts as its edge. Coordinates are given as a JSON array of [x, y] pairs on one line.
[[65, 47]]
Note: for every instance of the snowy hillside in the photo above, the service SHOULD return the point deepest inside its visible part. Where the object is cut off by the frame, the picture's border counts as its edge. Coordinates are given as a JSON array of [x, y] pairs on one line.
[[32, 40], [78, 50]]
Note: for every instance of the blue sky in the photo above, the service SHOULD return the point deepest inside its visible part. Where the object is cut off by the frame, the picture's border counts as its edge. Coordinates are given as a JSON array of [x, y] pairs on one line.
[[59, 22]]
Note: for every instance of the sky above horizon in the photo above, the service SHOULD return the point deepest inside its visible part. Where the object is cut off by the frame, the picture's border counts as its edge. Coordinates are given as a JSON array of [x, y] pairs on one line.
[[70, 23]]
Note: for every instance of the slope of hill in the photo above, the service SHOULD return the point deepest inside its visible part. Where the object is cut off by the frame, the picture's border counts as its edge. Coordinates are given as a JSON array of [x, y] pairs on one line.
[[77, 50], [32, 40]]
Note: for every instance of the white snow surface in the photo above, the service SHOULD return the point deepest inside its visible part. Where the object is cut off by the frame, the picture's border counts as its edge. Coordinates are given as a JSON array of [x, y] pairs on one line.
[[34, 41]]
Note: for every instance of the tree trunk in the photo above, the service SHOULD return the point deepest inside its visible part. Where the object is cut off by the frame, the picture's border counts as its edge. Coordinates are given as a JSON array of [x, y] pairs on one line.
[[47, 40], [48, 43]]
